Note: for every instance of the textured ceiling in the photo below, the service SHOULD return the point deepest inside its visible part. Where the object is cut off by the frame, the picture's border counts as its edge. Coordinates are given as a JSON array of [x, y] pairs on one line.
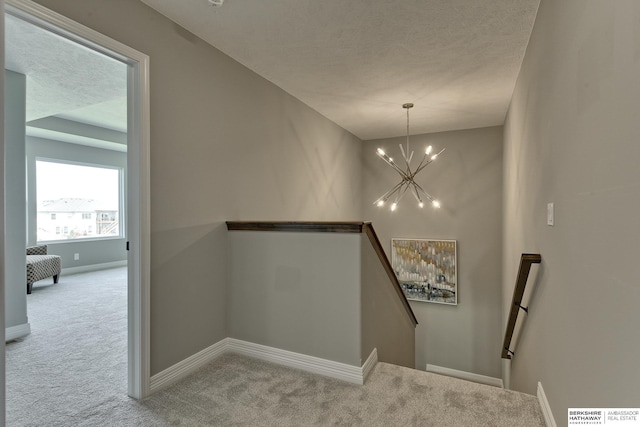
[[357, 61], [65, 79], [354, 61]]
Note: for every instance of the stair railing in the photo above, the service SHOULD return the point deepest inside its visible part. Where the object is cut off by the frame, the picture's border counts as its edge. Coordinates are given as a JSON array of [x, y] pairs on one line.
[[516, 304], [332, 227]]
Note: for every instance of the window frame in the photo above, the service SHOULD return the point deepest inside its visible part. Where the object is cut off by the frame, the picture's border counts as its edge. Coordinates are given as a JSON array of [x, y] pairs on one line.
[[121, 200]]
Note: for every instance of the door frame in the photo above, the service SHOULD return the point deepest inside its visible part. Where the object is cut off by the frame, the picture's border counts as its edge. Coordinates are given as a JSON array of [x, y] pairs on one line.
[[138, 208]]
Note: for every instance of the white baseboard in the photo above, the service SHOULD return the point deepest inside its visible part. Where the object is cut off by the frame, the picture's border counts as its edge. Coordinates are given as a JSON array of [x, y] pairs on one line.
[[463, 375], [328, 368], [93, 267], [546, 409], [18, 331], [369, 364], [187, 366]]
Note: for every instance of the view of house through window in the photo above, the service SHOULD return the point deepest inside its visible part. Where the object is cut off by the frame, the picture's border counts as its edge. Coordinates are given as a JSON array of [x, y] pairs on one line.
[[77, 201]]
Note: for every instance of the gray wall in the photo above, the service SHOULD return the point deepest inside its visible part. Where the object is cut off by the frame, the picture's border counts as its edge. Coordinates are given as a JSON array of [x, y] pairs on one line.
[[571, 138], [386, 325], [296, 291], [225, 145], [467, 179], [93, 251], [15, 225]]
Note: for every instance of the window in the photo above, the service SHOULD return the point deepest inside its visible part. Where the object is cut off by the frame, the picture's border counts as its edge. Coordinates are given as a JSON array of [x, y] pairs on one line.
[[82, 200]]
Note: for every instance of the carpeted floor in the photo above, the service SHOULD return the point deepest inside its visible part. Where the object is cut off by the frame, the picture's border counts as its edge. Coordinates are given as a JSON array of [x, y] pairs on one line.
[[76, 354], [71, 371], [238, 391]]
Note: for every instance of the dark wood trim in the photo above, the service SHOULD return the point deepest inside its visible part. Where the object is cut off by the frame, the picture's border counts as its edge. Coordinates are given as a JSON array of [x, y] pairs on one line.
[[516, 304], [375, 242], [331, 227], [297, 226]]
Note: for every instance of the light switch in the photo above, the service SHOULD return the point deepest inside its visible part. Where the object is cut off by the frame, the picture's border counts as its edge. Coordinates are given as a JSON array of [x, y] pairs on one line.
[[550, 214]]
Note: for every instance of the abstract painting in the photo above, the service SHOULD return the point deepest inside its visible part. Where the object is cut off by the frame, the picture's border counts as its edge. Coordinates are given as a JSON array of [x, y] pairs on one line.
[[426, 269]]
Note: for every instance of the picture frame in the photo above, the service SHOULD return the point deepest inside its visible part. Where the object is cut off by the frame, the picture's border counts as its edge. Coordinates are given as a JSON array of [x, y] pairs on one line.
[[427, 269]]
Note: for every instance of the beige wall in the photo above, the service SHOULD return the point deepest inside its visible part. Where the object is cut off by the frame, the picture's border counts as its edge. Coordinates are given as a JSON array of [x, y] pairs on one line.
[[297, 291], [225, 145], [385, 325], [571, 138], [467, 178]]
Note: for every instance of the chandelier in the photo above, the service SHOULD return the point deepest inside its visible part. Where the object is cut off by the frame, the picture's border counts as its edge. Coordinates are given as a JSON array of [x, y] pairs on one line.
[[407, 176]]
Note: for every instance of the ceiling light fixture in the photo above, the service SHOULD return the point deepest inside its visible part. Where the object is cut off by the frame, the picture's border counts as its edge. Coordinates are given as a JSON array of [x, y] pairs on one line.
[[408, 177]]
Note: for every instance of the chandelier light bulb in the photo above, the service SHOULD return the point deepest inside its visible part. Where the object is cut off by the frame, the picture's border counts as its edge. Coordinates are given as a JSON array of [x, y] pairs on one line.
[[421, 205], [436, 204], [394, 206], [381, 151], [429, 148], [380, 203], [435, 156]]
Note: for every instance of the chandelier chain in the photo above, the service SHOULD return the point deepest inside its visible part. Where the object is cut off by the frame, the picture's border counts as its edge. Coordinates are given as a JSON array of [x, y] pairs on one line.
[[408, 131]]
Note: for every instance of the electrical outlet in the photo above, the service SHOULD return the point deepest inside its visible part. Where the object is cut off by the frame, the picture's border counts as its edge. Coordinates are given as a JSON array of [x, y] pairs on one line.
[[550, 214], [76, 257]]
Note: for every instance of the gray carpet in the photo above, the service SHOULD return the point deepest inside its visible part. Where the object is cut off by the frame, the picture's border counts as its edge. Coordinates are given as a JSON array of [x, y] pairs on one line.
[[76, 354], [231, 391]]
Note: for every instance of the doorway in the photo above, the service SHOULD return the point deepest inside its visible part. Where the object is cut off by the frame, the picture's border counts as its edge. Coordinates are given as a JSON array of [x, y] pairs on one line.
[[136, 215]]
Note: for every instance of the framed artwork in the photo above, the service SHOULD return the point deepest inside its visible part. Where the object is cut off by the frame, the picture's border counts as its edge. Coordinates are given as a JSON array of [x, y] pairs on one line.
[[426, 269]]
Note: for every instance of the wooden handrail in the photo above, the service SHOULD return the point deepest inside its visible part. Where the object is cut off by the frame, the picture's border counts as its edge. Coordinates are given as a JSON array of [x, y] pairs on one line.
[[331, 227], [375, 242], [516, 304], [298, 226]]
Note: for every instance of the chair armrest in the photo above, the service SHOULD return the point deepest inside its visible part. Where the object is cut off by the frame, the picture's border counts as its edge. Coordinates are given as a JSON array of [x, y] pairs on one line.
[[37, 250]]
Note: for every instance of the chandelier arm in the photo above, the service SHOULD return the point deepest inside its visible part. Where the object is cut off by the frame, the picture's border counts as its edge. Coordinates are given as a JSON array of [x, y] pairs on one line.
[[404, 154], [389, 193], [391, 163], [422, 165], [415, 192], [427, 195], [407, 159], [438, 153], [403, 174], [402, 191], [429, 162]]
